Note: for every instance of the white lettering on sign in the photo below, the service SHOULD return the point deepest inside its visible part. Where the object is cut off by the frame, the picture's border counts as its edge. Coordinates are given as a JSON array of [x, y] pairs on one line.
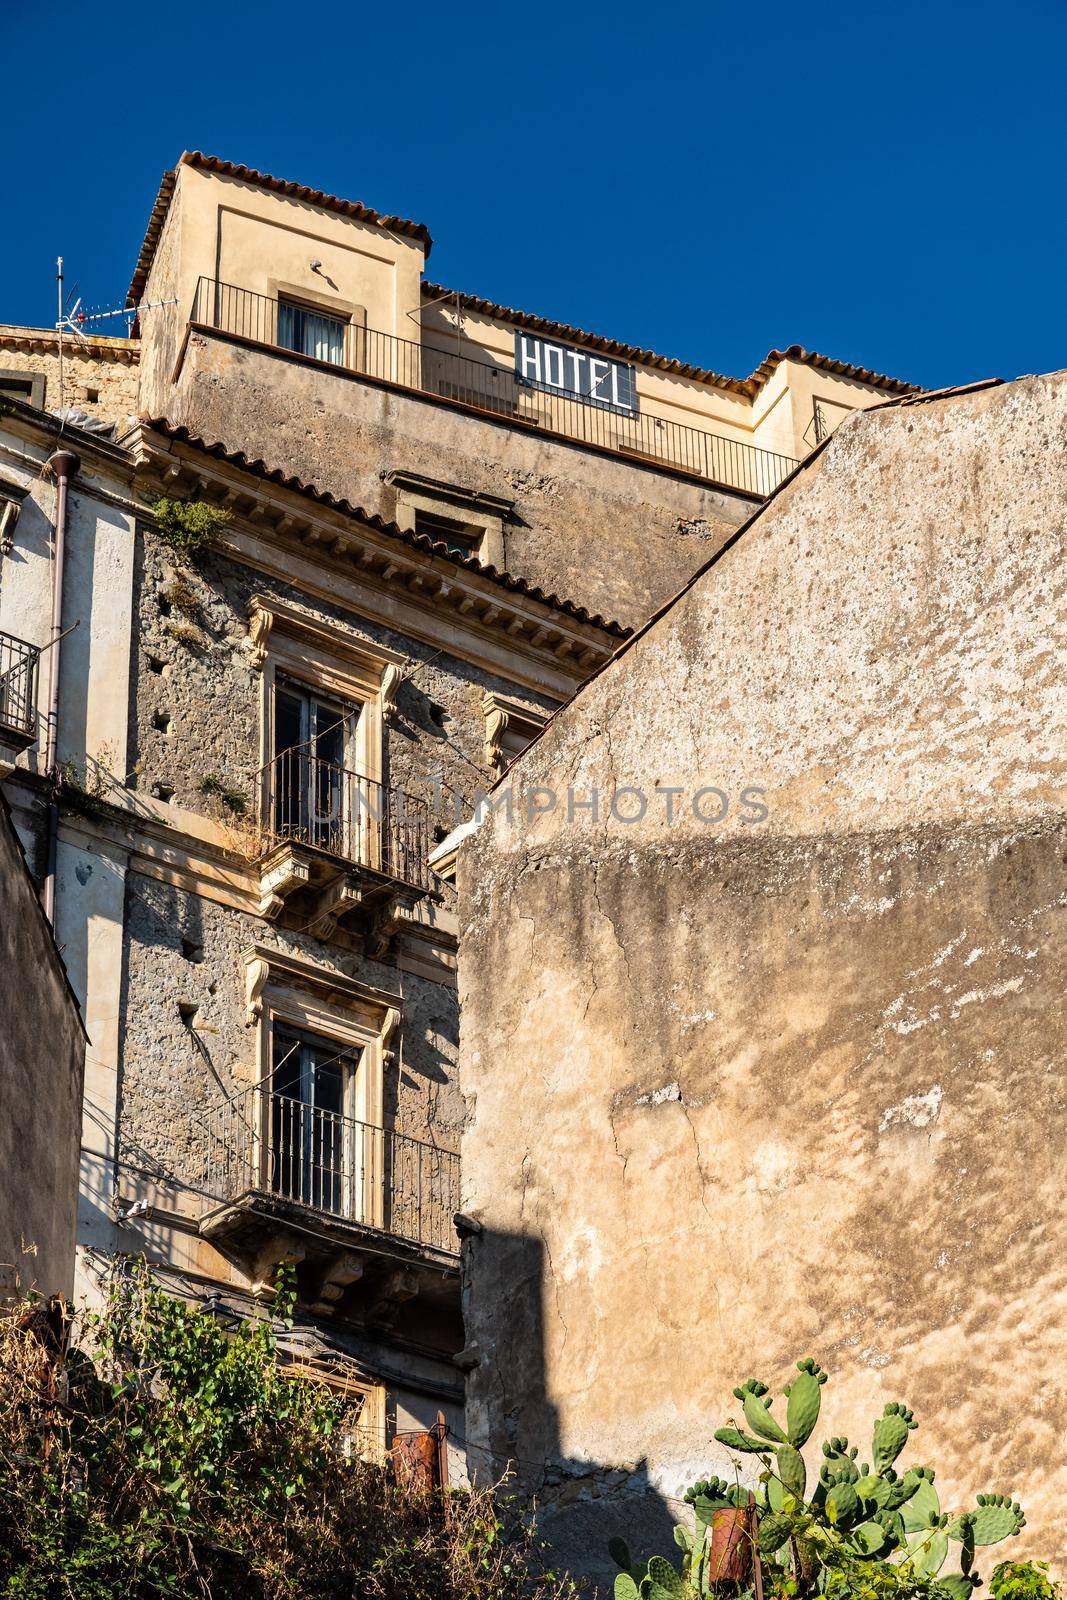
[[542, 364], [528, 358]]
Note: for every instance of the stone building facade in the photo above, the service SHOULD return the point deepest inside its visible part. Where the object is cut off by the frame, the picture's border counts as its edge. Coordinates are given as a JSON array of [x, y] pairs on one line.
[[233, 897], [432, 519], [764, 1058]]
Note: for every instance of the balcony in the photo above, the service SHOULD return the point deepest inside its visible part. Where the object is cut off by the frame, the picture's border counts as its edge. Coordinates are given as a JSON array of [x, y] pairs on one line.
[[340, 846], [487, 388], [18, 698], [346, 1201]]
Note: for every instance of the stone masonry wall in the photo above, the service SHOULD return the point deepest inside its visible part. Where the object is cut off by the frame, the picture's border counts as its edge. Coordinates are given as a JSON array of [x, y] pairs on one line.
[[104, 369], [196, 708], [195, 713], [183, 954], [42, 1064]]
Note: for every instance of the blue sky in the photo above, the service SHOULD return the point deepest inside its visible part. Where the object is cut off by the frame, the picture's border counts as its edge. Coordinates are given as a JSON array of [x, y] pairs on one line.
[[884, 183]]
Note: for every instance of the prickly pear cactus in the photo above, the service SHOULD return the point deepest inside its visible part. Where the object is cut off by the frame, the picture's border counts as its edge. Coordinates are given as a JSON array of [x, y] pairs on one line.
[[998, 1517], [875, 1512], [804, 1395], [758, 1411], [891, 1434]]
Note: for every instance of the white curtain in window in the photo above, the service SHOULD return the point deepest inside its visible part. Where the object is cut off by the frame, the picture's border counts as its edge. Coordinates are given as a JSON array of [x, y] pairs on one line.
[[311, 334]]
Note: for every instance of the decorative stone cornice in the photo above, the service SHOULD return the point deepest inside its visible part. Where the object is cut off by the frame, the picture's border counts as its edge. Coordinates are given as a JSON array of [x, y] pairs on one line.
[[293, 520]]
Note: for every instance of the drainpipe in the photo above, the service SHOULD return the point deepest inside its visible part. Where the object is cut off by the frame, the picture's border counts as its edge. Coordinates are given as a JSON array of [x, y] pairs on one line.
[[63, 464]]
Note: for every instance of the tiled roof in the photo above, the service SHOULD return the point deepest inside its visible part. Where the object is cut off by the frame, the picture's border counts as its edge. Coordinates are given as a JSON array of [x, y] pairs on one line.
[[592, 341], [749, 386], [842, 369], [415, 541], [296, 191]]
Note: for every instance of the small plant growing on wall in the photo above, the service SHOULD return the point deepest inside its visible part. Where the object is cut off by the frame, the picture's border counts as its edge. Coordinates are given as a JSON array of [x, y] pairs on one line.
[[186, 635], [180, 595], [862, 1528], [188, 526], [231, 800]]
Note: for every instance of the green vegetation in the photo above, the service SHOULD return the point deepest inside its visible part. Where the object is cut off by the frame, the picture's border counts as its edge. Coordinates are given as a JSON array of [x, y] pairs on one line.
[[232, 800], [188, 526], [174, 1457], [864, 1530], [181, 596]]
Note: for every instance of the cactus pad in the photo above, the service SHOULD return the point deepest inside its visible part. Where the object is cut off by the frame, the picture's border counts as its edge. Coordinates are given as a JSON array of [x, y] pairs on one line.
[[842, 1504], [735, 1440], [665, 1576], [923, 1509], [891, 1434], [619, 1551], [997, 1517], [791, 1469], [773, 1532], [805, 1397], [869, 1537], [928, 1551], [758, 1411], [625, 1587], [874, 1491]]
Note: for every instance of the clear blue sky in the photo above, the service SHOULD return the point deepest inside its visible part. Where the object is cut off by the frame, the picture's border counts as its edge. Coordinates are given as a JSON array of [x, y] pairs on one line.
[[884, 183]]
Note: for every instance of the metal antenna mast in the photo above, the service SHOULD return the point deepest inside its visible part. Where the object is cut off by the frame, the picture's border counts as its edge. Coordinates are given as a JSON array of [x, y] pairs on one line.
[[59, 323]]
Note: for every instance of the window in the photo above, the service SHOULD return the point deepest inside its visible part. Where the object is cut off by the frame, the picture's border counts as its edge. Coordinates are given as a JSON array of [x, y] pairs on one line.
[[316, 1156], [460, 537], [317, 796], [20, 385], [468, 521], [311, 333]]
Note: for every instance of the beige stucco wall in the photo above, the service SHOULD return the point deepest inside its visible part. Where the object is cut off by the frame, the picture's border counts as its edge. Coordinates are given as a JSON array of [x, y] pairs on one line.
[[687, 402], [243, 234], [745, 1092]]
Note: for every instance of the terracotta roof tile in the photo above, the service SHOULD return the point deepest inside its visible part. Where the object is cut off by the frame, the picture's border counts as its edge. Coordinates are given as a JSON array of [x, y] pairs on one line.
[[749, 386], [593, 341], [415, 541], [296, 191]]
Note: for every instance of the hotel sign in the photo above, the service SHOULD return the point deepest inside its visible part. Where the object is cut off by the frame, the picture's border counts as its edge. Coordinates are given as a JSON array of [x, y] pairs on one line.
[[560, 368]]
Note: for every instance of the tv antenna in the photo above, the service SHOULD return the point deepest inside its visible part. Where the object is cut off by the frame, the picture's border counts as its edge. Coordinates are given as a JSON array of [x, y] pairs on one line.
[[76, 321]]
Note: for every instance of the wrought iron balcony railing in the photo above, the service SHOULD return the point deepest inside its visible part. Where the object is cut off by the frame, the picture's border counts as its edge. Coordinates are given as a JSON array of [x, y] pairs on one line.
[[18, 687], [334, 809], [267, 1143], [484, 386]]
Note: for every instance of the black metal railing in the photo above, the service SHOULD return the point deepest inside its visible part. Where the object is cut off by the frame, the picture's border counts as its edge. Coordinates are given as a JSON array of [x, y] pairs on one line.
[[484, 386], [18, 685], [322, 804], [261, 1141]]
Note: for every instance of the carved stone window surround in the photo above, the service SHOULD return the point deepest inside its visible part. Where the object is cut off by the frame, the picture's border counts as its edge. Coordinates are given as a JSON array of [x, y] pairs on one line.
[[281, 988], [509, 728]]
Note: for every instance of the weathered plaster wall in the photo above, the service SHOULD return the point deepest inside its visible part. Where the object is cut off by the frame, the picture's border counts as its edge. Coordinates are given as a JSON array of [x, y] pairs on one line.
[[742, 1092], [42, 1058], [613, 536]]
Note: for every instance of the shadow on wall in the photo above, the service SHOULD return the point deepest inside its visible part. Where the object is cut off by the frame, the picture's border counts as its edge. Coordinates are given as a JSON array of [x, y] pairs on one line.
[[512, 1426]]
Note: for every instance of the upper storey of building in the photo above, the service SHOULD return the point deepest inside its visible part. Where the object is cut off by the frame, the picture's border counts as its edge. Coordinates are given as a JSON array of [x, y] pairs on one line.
[[301, 329], [332, 281]]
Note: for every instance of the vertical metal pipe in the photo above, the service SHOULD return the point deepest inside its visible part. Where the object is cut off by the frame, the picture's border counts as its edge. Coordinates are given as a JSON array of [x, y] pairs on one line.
[[63, 465]]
